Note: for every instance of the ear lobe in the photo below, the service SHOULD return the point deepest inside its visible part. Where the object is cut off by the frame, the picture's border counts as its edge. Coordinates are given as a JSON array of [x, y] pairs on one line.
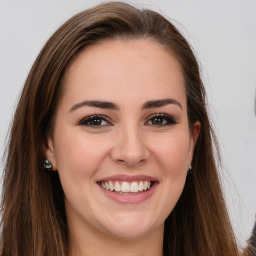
[[50, 153], [194, 136]]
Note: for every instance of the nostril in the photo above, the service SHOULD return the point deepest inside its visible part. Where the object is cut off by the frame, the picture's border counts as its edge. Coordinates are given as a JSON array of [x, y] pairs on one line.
[[130, 148], [129, 159]]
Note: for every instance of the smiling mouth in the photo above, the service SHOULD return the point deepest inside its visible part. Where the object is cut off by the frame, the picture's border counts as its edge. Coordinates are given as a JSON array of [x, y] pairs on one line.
[[125, 187]]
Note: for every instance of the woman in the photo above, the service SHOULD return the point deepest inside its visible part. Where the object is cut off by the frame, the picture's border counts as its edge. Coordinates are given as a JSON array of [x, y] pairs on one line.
[[111, 149]]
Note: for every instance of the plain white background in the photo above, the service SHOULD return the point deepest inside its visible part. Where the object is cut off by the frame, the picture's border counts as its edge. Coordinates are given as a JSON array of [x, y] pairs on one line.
[[223, 35]]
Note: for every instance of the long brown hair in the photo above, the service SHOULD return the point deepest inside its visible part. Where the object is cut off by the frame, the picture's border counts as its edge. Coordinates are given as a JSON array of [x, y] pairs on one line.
[[33, 218]]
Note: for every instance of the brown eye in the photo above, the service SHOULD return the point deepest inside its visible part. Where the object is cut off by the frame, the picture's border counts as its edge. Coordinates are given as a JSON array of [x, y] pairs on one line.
[[95, 121], [161, 120], [158, 121]]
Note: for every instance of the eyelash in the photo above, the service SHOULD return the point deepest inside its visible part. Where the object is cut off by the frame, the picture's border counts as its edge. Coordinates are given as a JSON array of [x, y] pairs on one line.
[[169, 120], [165, 120], [86, 121]]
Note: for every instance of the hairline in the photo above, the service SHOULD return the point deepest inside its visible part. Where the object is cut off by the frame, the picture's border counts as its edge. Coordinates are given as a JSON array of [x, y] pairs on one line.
[[100, 41]]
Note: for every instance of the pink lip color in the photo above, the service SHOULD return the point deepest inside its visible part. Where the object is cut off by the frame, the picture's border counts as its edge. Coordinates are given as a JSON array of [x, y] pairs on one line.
[[128, 178], [132, 198]]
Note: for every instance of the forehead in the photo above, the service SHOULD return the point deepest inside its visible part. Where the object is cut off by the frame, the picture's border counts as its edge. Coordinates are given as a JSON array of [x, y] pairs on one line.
[[132, 69]]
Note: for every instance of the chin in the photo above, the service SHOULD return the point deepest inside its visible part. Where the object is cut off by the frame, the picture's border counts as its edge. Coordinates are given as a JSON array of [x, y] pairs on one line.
[[132, 226]]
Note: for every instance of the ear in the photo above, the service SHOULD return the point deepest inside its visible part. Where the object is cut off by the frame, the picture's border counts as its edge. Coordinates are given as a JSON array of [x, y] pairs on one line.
[[50, 153], [194, 136]]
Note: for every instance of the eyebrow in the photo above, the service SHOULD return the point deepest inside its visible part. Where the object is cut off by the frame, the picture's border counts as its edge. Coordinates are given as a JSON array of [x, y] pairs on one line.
[[95, 103], [160, 103], [112, 106]]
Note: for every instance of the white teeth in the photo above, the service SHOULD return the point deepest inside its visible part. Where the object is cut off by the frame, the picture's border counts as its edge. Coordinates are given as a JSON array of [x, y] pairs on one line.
[[117, 186], [111, 186], [126, 187], [145, 185], [141, 186], [134, 187], [106, 185]]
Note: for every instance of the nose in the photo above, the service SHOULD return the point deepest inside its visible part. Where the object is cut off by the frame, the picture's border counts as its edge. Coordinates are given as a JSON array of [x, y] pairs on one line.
[[130, 147]]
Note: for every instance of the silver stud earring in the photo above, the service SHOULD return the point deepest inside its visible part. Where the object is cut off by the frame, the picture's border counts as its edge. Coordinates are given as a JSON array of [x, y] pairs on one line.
[[189, 169], [47, 165]]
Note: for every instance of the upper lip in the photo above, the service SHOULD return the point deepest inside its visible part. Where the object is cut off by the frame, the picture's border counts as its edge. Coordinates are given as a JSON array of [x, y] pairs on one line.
[[128, 178]]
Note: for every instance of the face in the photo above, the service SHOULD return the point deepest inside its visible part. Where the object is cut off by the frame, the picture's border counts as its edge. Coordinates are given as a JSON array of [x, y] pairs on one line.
[[121, 142]]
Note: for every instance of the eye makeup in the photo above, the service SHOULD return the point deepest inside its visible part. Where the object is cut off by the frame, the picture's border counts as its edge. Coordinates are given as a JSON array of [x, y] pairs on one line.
[[98, 120], [95, 121], [160, 119]]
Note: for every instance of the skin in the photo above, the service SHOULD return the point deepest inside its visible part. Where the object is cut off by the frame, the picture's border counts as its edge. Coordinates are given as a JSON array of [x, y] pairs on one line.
[[128, 140]]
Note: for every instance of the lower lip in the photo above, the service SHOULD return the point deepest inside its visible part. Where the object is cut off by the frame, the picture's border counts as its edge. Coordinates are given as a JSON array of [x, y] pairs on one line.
[[131, 198]]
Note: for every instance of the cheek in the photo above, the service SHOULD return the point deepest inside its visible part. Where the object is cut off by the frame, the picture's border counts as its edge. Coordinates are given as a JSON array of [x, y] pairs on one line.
[[172, 153], [78, 157], [78, 154]]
